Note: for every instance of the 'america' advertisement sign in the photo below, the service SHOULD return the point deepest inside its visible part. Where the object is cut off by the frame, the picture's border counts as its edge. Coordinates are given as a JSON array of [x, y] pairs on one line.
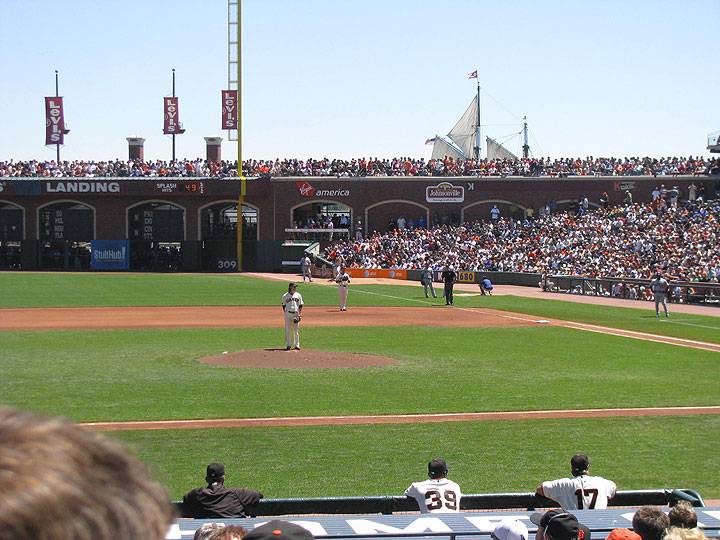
[[229, 109], [54, 121], [172, 116]]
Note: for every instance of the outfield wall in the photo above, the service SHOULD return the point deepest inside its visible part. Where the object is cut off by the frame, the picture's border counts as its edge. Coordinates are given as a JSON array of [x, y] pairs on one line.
[[187, 209]]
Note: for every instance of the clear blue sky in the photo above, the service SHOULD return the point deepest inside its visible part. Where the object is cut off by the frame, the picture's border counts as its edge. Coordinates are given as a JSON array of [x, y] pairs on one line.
[[341, 78]]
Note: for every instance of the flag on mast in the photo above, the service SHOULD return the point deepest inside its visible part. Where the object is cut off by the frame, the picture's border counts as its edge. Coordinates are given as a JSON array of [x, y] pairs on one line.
[[472, 75]]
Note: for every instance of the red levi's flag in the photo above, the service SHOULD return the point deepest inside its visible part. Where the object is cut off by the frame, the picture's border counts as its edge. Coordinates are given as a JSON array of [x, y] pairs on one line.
[[172, 116], [472, 75], [54, 121], [229, 109]]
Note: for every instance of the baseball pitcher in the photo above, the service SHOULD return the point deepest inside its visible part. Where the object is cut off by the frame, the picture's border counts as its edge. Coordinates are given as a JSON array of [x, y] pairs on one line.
[[292, 304], [438, 494], [582, 491]]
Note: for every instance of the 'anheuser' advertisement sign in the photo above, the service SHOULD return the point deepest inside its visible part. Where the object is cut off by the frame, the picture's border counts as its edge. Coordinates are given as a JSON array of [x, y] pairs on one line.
[[307, 190]]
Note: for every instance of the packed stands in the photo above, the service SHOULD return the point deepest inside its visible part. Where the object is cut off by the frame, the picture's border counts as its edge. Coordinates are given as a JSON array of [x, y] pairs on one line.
[[631, 241], [364, 167]]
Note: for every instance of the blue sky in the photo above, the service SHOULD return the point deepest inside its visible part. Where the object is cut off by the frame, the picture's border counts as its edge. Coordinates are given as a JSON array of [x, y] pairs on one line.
[[341, 78]]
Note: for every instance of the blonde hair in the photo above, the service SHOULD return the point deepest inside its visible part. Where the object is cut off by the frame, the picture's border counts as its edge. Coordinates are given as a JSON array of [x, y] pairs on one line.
[[678, 533]]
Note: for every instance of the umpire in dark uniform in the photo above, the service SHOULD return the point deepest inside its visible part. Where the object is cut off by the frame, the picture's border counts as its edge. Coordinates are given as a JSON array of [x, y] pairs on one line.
[[449, 277], [216, 500]]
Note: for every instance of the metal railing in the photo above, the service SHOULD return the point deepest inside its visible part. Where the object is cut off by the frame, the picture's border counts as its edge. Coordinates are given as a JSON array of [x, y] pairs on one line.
[[681, 292]]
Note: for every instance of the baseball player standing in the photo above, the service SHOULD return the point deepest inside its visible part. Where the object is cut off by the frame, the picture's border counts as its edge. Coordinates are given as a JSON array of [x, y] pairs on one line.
[[438, 494], [292, 304], [305, 266], [582, 491], [660, 287], [343, 280], [426, 279], [449, 277]]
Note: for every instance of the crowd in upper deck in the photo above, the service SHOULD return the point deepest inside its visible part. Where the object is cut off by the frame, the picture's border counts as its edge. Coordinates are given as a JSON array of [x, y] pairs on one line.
[[362, 167]]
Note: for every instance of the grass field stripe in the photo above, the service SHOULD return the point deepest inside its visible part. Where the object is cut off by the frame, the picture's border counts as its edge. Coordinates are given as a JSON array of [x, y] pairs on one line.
[[292, 421], [640, 335]]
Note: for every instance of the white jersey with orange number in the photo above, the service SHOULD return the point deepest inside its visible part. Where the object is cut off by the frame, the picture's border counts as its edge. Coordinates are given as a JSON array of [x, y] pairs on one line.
[[432, 496], [580, 492]]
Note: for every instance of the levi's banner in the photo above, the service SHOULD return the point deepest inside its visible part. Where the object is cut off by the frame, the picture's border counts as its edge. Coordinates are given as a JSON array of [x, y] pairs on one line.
[[229, 109], [54, 121], [172, 116], [110, 254]]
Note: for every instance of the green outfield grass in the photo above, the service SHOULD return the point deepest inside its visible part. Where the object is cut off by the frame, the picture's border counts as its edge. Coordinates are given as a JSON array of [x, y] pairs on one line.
[[484, 457], [154, 374]]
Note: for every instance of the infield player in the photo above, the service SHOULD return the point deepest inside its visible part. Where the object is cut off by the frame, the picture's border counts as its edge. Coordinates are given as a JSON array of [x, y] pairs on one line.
[[306, 267], [660, 287], [343, 280], [438, 494], [581, 491], [292, 304]]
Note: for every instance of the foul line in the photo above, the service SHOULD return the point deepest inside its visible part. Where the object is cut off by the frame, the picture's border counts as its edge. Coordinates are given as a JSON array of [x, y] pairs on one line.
[[295, 421]]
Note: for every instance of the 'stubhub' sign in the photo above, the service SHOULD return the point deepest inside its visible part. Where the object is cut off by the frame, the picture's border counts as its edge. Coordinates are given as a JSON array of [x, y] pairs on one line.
[[444, 192]]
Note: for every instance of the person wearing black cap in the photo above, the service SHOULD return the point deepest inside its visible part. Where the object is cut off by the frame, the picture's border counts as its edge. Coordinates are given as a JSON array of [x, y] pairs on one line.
[[660, 287], [581, 491], [278, 529], [438, 494], [559, 525], [216, 500]]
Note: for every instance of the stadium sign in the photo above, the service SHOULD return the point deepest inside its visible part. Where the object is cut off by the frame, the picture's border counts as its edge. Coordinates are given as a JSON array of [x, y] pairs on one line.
[[110, 254], [445, 192], [307, 190], [82, 187]]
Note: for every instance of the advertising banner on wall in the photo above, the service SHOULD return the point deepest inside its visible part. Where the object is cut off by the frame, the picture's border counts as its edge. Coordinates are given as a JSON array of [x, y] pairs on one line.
[[172, 116], [110, 254], [54, 121], [229, 109]]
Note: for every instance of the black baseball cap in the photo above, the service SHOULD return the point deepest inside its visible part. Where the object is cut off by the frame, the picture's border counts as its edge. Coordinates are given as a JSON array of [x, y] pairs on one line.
[[215, 470], [560, 525], [580, 462], [278, 529], [437, 467]]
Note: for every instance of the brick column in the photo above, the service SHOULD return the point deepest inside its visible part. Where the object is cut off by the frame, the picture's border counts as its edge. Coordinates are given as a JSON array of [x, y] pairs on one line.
[[213, 148], [136, 148]]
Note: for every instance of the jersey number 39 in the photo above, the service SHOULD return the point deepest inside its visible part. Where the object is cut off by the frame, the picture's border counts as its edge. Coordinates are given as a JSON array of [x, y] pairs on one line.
[[435, 500]]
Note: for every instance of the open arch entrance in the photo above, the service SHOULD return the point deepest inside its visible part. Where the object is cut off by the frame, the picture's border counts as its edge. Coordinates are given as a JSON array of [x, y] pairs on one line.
[[156, 230], [388, 215], [12, 232], [319, 215], [218, 235], [65, 230]]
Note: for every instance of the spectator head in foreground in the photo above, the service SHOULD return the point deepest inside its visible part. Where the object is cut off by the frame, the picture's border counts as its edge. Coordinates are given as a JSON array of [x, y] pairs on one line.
[[683, 515], [557, 524], [678, 533], [510, 529], [437, 468], [279, 530], [59, 481], [228, 532], [207, 530], [622, 534], [650, 523]]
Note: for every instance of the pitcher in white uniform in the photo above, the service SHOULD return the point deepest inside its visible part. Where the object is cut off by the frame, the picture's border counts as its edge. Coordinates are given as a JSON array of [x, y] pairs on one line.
[[438, 494], [292, 304], [343, 280]]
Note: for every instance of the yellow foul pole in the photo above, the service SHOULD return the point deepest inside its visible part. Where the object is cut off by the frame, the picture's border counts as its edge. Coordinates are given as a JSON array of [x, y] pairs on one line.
[[241, 173]]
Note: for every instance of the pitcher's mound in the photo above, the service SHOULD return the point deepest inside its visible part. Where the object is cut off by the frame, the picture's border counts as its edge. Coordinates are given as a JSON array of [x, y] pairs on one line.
[[303, 359]]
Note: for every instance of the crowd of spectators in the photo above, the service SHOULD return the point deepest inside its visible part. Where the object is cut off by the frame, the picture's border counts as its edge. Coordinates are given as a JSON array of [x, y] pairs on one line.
[[402, 166], [629, 241]]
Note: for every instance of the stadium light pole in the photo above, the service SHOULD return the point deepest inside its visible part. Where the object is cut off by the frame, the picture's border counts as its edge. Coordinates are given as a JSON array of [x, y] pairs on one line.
[[241, 174], [173, 135], [57, 94]]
